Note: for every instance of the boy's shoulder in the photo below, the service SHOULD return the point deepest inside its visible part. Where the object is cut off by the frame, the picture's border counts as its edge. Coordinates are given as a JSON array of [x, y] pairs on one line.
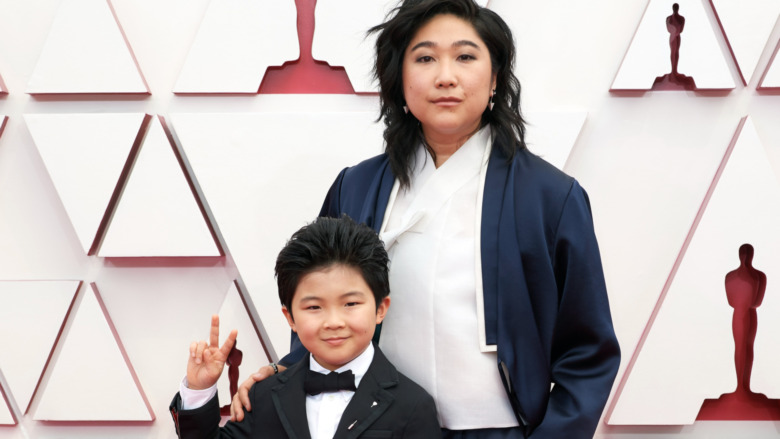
[[389, 378], [413, 393], [412, 412]]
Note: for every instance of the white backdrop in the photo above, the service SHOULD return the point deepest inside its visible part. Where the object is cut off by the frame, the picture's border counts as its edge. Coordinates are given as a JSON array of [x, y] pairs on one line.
[[260, 164]]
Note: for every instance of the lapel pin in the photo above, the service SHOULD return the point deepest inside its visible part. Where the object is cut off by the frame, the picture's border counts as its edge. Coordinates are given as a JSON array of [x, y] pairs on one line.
[[374, 404], [352, 424]]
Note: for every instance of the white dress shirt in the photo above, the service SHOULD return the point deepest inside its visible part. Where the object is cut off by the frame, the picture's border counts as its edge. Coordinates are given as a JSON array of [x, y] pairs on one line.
[[323, 411], [434, 333]]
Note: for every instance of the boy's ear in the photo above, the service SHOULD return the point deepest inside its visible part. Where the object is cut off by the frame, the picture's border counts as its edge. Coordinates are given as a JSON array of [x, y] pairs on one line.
[[289, 317], [381, 310]]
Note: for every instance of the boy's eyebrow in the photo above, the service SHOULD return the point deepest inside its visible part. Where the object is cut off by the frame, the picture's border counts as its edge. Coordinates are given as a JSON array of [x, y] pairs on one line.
[[343, 296], [352, 293], [455, 44]]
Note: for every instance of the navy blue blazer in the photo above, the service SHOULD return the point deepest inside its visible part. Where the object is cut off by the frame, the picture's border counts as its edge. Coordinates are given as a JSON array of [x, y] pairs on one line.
[[545, 298]]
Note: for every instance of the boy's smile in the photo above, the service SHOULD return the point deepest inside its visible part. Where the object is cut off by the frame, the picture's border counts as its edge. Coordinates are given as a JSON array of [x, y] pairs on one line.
[[334, 314]]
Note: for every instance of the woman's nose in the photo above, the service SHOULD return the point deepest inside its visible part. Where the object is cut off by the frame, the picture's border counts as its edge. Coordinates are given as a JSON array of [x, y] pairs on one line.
[[446, 76]]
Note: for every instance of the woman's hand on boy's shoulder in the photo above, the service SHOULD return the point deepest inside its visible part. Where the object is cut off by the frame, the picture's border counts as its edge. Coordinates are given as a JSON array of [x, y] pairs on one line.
[[241, 398], [207, 360]]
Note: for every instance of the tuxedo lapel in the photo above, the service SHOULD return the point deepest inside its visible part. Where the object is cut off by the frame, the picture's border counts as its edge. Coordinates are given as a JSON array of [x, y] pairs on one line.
[[290, 401], [371, 399]]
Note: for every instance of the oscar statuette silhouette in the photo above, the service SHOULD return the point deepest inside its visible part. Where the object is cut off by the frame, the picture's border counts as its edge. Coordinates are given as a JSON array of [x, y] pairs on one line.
[[745, 289], [674, 80], [233, 360]]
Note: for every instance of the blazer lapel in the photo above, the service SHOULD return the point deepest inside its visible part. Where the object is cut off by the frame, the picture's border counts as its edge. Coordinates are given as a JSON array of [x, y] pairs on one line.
[[290, 402], [492, 202], [374, 213], [371, 399]]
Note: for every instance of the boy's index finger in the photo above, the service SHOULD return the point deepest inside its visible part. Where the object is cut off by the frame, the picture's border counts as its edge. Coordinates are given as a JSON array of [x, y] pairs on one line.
[[229, 342], [214, 333]]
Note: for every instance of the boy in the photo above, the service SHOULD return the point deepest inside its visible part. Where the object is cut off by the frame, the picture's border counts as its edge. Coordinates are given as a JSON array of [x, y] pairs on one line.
[[333, 284]]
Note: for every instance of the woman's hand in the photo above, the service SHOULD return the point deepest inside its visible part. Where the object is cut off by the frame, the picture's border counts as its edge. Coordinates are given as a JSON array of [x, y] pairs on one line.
[[241, 398], [207, 360]]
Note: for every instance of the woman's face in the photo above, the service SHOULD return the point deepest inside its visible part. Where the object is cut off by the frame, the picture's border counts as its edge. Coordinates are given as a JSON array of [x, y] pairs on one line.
[[447, 78]]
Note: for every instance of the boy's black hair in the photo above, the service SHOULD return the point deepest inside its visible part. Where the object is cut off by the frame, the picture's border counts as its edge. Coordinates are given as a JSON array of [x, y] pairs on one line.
[[329, 241]]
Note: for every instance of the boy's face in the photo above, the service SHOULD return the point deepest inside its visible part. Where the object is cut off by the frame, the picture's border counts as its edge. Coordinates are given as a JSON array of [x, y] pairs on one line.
[[335, 314]]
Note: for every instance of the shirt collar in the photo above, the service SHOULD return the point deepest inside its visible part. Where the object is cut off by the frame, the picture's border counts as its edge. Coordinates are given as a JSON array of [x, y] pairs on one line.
[[424, 166]]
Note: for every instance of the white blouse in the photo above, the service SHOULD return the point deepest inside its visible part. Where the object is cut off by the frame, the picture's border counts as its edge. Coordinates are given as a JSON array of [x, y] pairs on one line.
[[434, 330]]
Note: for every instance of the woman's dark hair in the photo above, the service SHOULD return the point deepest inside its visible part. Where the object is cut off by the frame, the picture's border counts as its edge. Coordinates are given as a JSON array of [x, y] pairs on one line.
[[326, 242], [402, 131]]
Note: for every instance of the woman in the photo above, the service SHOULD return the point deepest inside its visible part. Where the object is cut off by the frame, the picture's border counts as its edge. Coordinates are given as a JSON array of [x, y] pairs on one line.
[[498, 290]]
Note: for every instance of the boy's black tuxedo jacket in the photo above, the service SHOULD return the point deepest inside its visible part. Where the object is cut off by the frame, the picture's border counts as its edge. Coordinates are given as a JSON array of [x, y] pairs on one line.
[[403, 409]]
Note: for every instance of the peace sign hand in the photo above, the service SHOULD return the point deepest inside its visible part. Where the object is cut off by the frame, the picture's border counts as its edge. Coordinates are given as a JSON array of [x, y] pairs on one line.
[[206, 361]]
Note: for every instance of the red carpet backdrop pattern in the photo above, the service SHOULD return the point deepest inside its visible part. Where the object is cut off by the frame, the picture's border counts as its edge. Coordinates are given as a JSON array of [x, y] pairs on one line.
[[156, 154]]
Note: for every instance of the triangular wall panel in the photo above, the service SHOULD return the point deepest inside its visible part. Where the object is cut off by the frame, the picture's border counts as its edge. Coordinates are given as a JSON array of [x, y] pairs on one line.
[[234, 315], [36, 309], [90, 379], [344, 43], [157, 214], [688, 354], [772, 78], [747, 29], [86, 52], [764, 200], [237, 41], [145, 300], [255, 154], [551, 135], [6, 415], [648, 56], [84, 155]]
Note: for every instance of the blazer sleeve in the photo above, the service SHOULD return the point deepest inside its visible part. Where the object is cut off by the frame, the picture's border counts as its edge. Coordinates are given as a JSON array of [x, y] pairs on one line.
[[585, 354], [203, 422]]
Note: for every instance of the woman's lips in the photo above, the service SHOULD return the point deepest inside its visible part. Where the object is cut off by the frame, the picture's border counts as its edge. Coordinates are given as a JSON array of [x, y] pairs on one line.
[[447, 101]]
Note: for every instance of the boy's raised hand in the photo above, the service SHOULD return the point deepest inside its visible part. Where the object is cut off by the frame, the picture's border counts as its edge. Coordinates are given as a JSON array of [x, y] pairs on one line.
[[207, 360]]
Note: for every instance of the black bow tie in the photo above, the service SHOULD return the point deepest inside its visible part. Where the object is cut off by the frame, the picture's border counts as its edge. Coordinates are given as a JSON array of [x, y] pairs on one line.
[[317, 383]]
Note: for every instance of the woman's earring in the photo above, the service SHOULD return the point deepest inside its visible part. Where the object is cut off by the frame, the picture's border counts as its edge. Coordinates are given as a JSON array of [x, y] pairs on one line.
[[490, 102], [406, 109]]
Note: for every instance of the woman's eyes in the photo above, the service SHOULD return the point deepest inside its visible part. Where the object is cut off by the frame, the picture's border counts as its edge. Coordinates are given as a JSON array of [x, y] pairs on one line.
[[463, 57]]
